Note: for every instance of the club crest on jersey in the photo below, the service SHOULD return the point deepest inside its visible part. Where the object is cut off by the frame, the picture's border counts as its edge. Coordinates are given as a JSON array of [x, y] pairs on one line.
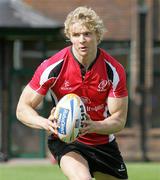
[[103, 85]]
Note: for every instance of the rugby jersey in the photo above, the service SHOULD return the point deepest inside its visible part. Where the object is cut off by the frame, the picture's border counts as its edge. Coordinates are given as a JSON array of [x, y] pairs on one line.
[[62, 74]]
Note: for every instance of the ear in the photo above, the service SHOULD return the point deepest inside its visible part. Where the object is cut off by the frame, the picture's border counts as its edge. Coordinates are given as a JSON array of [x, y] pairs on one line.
[[97, 39]]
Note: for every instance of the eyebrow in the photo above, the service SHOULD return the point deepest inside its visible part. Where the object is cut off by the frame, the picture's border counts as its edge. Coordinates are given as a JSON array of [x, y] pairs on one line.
[[81, 32]]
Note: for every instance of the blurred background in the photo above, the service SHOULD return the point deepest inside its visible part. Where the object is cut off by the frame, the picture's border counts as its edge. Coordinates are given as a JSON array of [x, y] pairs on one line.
[[31, 31]]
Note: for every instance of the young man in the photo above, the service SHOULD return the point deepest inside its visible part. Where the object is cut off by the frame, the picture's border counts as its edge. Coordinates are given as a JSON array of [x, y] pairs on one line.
[[91, 73]]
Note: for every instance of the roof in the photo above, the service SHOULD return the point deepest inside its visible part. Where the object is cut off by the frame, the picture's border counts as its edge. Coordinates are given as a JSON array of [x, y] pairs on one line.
[[116, 14], [16, 14]]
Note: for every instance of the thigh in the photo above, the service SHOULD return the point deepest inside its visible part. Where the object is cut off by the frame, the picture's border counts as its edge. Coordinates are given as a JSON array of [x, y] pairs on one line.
[[102, 176], [107, 159], [75, 167]]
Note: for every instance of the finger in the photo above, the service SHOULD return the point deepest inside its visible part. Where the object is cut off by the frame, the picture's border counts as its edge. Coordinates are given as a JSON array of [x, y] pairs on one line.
[[51, 116], [53, 110], [55, 124], [87, 117], [83, 132], [53, 131], [53, 127], [85, 129], [86, 123]]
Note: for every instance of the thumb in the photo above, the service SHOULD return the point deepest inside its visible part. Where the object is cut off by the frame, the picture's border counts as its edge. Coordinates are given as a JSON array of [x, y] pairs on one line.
[[51, 116]]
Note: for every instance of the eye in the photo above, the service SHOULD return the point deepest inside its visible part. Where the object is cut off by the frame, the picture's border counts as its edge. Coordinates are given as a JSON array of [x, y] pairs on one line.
[[75, 34], [87, 33]]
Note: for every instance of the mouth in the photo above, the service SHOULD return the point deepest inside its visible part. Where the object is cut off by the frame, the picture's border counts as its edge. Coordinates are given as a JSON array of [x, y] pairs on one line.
[[83, 48]]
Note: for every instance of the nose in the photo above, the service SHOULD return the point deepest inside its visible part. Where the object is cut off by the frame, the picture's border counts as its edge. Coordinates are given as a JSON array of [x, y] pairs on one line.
[[82, 38]]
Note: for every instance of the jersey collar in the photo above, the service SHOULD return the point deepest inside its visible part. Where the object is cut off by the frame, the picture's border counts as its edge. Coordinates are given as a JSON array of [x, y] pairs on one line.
[[81, 65]]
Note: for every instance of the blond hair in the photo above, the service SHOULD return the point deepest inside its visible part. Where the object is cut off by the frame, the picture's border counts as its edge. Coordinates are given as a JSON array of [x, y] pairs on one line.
[[89, 18]]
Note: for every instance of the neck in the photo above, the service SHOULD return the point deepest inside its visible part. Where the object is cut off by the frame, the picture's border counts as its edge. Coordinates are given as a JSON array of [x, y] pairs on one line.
[[85, 60]]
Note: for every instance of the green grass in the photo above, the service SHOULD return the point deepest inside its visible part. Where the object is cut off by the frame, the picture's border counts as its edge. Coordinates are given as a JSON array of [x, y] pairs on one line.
[[28, 172], [144, 171], [136, 171]]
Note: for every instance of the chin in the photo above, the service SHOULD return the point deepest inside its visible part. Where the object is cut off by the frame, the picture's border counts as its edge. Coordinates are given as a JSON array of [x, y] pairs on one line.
[[84, 53]]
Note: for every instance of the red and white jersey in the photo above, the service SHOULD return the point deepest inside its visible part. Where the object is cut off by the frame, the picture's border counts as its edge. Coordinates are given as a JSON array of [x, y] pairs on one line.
[[63, 74]]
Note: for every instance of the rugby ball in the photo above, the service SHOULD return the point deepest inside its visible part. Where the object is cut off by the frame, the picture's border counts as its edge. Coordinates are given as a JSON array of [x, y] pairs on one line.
[[70, 112]]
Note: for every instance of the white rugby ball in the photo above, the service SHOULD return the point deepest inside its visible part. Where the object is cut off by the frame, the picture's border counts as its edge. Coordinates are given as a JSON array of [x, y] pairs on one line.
[[70, 112]]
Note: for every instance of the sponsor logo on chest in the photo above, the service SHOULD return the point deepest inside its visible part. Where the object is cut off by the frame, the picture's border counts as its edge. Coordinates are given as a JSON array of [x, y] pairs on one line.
[[102, 86], [66, 85]]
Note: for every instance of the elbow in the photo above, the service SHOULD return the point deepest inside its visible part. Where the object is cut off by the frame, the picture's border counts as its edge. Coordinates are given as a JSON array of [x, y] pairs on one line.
[[121, 125], [18, 113]]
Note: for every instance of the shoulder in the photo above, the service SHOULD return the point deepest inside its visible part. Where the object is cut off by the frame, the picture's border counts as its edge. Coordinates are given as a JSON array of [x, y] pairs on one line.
[[60, 54], [55, 61], [51, 67], [111, 62]]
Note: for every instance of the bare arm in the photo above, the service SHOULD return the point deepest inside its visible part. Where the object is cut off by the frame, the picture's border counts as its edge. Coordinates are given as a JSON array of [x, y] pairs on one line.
[[26, 112], [118, 108]]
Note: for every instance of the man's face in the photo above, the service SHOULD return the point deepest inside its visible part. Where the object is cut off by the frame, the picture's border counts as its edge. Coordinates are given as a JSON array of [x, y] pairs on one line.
[[84, 41]]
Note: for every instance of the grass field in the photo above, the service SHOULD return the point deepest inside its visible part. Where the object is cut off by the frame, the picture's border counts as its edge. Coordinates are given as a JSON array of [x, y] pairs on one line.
[[136, 171]]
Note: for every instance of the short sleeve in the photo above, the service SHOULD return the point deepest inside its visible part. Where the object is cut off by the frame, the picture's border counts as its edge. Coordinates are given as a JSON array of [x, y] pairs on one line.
[[40, 81], [119, 87]]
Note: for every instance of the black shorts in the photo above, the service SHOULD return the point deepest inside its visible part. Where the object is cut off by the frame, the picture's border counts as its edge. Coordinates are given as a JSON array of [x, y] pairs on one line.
[[105, 158]]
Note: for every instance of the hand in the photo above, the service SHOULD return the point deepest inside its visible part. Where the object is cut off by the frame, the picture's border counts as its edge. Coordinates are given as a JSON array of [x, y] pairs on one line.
[[88, 126], [52, 123]]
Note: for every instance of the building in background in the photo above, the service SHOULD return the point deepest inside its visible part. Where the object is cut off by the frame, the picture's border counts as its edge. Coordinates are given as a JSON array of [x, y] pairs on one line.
[[32, 30]]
